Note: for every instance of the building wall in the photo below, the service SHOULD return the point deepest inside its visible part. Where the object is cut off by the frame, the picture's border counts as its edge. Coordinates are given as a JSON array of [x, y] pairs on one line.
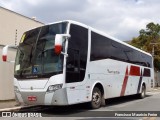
[[9, 23], [6, 76]]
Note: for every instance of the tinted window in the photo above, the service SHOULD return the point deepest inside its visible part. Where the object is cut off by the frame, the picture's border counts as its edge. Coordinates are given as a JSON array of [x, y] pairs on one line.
[[118, 51], [100, 47], [77, 54], [147, 59], [103, 48]]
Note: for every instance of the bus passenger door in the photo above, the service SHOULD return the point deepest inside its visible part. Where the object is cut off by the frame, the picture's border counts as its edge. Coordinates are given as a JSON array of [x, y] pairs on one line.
[[76, 64], [75, 91]]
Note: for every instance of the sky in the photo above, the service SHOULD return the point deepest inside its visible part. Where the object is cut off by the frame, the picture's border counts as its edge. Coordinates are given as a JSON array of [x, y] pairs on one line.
[[121, 19]]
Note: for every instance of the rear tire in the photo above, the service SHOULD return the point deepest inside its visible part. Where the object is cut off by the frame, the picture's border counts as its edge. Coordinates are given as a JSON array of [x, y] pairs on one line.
[[96, 98], [143, 92]]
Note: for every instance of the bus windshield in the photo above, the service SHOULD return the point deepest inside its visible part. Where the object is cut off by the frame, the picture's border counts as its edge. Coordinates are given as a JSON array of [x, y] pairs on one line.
[[35, 55]]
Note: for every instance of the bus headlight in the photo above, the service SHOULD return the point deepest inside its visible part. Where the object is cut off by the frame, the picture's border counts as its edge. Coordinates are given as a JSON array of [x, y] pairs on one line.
[[53, 88]]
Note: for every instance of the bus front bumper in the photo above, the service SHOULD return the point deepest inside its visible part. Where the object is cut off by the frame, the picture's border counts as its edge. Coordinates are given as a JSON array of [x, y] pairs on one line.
[[59, 97]]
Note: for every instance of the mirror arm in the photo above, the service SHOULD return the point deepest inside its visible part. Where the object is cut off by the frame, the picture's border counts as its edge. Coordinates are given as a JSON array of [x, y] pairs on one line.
[[65, 54], [66, 35], [67, 38]]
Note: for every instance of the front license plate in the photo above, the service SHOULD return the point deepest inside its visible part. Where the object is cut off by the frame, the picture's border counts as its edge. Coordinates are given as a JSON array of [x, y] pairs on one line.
[[32, 98]]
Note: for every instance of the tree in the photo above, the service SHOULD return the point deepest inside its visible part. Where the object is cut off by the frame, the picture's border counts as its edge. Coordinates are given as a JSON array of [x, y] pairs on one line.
[[147, 39]]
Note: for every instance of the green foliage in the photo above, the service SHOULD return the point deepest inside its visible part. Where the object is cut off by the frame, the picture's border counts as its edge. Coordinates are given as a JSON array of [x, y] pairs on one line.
[[147, 39], [157, 63]]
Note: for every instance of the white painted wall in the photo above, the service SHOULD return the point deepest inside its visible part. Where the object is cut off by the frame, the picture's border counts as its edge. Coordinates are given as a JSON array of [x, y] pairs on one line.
[[6, 77], [9, 22]]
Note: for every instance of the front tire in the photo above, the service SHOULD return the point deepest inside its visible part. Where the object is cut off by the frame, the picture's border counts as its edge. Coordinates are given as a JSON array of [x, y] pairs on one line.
[[96, 98]]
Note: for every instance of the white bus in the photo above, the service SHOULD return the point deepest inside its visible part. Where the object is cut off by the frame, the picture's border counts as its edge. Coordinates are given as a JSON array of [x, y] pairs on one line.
[[67, 63]]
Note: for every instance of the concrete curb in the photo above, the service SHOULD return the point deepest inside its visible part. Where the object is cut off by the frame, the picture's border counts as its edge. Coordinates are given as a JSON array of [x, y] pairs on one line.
[[155, 89], [15, 108], [10, 109]]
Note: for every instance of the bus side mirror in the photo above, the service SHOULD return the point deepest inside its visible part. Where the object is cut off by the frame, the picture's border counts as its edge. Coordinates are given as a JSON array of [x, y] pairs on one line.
[[58, 44], [5, 51], [59, 38]]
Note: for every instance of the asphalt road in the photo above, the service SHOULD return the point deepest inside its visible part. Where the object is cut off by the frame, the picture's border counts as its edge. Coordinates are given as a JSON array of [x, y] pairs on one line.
[[117, 106]]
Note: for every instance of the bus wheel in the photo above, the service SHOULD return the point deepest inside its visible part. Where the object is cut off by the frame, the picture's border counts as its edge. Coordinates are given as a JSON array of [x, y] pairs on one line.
[[96, 98], [143, 92]]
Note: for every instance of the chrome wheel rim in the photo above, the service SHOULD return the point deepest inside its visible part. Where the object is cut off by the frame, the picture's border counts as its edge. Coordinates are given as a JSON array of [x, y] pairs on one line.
[[96, 98]]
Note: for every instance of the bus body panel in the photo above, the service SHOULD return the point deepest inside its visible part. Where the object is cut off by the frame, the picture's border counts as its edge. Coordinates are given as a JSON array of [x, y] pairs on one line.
[[116, 76], [27, 84], [77, 94]]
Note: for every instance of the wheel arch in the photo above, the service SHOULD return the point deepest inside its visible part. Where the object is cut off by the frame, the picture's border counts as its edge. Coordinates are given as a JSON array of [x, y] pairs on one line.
[[100, 86]]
